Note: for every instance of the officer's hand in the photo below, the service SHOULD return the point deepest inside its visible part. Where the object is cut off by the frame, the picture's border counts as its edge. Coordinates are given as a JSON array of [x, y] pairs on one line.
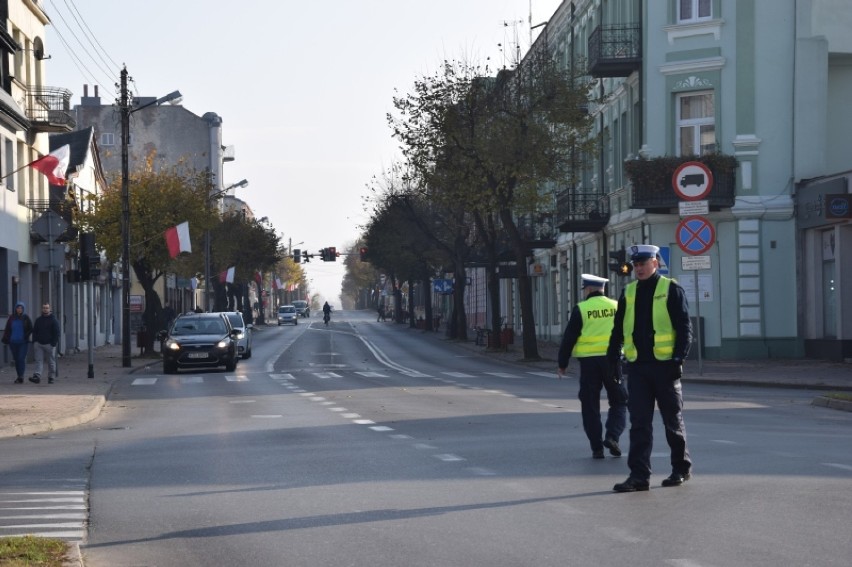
[[677, 368], [560, 372]]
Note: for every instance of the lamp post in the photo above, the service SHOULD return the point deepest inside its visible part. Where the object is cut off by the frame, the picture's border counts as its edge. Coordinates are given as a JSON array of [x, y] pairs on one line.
[[126, 111], [207, 286]]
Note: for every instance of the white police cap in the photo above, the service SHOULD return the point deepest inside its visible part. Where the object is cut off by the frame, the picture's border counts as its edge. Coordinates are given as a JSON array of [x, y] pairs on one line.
[[643, 252], [593, 281]]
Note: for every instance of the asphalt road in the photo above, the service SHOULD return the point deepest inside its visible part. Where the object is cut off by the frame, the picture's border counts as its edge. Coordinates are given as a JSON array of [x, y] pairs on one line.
[[356, 445]]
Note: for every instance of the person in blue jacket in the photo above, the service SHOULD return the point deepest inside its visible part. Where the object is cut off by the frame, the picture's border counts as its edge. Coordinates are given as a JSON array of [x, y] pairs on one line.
[[17, 334]]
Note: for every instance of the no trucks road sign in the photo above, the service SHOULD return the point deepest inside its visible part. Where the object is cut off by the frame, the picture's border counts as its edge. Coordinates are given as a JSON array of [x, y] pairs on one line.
[[692, 181]]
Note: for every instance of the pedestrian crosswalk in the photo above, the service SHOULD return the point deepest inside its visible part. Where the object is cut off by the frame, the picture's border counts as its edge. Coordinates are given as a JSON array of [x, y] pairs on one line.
[[58, 514], [337, 374]]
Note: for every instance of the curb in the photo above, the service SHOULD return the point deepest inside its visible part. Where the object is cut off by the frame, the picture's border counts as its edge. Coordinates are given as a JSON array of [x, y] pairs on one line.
[[832, 403], [90, 413]]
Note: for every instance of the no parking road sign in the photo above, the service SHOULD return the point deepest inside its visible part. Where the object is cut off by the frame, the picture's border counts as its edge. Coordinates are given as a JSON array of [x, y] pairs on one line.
[[695, 235], [692, 180]]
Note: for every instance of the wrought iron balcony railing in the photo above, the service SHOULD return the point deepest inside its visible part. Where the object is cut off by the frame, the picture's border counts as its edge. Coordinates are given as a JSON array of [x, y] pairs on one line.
[[581, 212], [49, 109], [615, 50]]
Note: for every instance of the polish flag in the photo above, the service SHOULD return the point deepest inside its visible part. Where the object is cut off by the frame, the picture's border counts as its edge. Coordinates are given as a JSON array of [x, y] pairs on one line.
[[54, 165], [227, 276], [177, 239]]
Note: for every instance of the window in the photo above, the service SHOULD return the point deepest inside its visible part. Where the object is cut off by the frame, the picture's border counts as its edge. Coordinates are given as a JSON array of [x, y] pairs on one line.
[[694, 10], [107, 139], [696, 124]]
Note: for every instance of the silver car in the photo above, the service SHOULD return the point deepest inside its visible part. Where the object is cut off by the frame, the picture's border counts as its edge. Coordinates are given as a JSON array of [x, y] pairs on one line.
[[246, 333], [287, 314]]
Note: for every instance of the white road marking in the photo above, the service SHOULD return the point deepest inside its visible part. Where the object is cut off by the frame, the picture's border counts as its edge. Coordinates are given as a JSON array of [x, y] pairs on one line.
[[400, 436], [286, 376], [191, 379], [371, 374], [457, 374], [544, 374], [724, 442], [502, 375], [338, 409], [364, 421], [236, 378], [415, 374], [381, 428], [317, 399], [351, 415], [481, 471], [448, 457], [327, 375], [839, 466], [143, 382], [424, 446]]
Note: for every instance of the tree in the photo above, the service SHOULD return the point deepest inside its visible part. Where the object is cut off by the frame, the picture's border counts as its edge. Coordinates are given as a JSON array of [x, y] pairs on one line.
[[496, 142], [158, 200]]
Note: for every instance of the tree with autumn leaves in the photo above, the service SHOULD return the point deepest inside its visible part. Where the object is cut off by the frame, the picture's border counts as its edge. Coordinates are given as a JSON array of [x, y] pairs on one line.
[[161, 199]]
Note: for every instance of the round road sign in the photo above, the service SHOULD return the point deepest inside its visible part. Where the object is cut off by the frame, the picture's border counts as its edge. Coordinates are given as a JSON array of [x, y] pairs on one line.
[[692, 180], [695, 235]]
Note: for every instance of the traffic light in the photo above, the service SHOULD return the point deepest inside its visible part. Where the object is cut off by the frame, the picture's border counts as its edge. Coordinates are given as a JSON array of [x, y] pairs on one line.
[[90, 266], [618, 263], [306, 257], [324, 254], [616, 259], [363, 253], [297, 255], [331, 254]]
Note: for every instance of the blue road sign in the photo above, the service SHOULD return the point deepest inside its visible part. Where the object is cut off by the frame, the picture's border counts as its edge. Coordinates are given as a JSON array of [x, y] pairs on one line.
[[442, 286], [695, 235], [665, 257]]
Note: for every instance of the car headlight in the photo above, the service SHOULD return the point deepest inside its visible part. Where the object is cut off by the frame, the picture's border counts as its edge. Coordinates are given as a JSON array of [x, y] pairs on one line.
[[172, 344], [223, 343], [240, 335]]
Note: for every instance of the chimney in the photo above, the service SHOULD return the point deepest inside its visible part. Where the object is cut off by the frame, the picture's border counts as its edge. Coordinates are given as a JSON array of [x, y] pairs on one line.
[[85, 90]]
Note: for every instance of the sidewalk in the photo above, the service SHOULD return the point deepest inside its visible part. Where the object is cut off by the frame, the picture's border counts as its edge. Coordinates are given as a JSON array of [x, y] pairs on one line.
[[29, 409], [74, 398]]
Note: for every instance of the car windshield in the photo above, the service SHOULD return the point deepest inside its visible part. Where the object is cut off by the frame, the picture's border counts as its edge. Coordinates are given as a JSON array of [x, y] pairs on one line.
[[198, 327], [288, 309], [236, 320], [300, 303]]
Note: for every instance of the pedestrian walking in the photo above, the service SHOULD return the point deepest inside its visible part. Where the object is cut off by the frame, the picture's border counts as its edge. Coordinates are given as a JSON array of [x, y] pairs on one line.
[[45, 339], [17, 333], [652, 324], [587, 338]]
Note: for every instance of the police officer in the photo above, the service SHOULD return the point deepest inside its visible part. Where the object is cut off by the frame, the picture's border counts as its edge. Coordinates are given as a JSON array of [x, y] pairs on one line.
[[587, 338], [652, 324]]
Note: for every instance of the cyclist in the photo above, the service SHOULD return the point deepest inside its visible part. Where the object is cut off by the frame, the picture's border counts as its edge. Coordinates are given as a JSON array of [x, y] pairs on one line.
[[326, 313]]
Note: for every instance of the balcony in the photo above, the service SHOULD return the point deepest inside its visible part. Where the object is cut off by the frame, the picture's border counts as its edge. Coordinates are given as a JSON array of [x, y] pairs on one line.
[[615, 50], [582, 212], [652, 181], [49, 109]]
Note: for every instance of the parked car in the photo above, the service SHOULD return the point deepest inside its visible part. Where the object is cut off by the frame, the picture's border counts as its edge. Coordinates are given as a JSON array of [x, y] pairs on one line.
[[244, 339], [199, 340], [302, 307], [287, 314]]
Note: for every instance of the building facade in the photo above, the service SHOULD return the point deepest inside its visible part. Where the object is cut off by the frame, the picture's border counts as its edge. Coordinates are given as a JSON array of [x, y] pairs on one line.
[[767, 82]]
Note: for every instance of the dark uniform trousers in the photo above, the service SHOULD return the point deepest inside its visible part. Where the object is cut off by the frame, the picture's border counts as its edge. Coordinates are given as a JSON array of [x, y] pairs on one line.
[[647, 382], [594, 374]]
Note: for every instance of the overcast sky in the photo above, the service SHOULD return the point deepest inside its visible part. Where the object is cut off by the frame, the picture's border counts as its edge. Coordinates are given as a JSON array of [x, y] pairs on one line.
[[303, 88]]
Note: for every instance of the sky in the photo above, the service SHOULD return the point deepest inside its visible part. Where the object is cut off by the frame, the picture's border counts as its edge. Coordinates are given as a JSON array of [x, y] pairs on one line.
[[303, 88]]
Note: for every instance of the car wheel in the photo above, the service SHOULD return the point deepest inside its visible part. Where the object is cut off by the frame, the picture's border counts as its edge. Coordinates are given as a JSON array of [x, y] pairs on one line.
[[247, 353], [279, 323], [169, 368], [231, 365], [295, 321]]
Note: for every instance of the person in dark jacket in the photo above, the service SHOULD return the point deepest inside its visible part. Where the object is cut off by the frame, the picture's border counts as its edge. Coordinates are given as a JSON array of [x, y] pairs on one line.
[[17, 333], [587, 339], [652, 324], [45, 339]]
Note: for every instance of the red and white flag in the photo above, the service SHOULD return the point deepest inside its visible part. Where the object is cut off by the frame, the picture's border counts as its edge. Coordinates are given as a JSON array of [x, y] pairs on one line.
[[177, 239], [54, 165], [227, 276]]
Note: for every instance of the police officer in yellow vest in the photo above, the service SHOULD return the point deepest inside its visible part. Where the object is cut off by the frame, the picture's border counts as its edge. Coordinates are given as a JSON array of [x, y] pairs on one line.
[[652, 323], [587, 338]]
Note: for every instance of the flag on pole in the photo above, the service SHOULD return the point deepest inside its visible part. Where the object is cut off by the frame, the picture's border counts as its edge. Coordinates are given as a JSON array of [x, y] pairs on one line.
[[278, 283], [177, 239], [54, 164], [227, 276]]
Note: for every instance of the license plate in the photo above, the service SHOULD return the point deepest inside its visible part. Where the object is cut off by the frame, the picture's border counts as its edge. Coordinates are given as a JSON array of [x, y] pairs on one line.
[[197, 355]]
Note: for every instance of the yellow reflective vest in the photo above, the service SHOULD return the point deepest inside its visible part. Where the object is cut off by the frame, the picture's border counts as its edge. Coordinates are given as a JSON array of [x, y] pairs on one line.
[[598, 315], [664, 335]]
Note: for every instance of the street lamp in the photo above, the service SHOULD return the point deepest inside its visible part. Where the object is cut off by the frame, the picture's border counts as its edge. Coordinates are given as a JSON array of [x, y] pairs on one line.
[[126, 111], [207, 286]]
